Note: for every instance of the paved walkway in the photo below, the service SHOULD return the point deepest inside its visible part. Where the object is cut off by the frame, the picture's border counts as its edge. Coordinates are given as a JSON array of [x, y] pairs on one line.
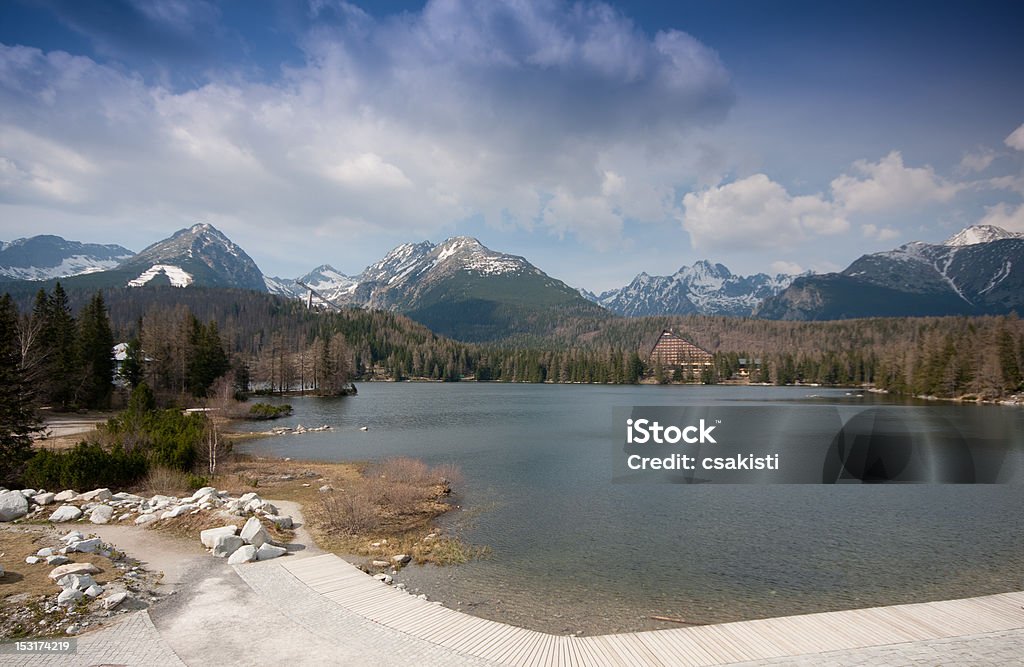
[[309, 611]]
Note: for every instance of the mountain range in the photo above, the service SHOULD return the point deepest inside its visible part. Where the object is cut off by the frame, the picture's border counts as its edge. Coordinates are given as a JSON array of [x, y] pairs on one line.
[[979, 270], [46, 256], [704, 288], [461, 288]]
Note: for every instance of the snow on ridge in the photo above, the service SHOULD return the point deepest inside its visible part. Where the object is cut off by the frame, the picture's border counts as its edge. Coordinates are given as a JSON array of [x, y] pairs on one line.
[[980, 234], [75, 265], [177, 275]]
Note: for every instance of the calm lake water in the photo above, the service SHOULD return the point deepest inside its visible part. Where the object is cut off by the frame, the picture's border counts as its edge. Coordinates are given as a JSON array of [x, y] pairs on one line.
[[571, 551]]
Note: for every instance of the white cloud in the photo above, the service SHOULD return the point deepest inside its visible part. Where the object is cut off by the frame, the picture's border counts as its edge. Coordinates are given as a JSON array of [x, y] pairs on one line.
[[977, 160], [1004, 216], [786, 268], [756, 212], [1016, 139], [888, 185], [526, 113], [877, 233]]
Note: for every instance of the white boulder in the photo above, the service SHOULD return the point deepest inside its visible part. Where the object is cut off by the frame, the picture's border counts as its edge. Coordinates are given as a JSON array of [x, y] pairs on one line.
[[386, 578], [281, 521], [69, 596], [115, 599], [254, 533], [32, 560], [202, 493], [401, 559], [244, 554], [177, 511], [43, 498], [226, 545], [209, 536], [73, 568], [146, 518], [13, 505], [94, 591], [65, 496], [86, 546], [268, 551], [65, 513], [97, 494], [101, 514], [76, 581], [56, 560]]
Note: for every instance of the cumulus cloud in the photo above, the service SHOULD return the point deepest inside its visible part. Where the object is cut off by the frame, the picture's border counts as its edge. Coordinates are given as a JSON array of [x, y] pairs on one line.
[[1007, 217], [878, 233], [786, 268], [1016, 139], [538, 114], [756, 212], [889, 185]]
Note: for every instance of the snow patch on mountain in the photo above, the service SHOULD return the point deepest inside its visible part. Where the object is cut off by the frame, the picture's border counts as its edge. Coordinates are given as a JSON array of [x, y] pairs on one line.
[[980, 234], [74, 265], [175, 274], [707, 288]]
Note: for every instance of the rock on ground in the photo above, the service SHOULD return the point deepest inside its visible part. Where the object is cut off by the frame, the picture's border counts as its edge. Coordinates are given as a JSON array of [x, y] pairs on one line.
[[254, 533], [268, 551], [245, 554], [73, 568], [226, 545], [101, 514], [115, 599], [65, 513], [13, 505], [209, 536]]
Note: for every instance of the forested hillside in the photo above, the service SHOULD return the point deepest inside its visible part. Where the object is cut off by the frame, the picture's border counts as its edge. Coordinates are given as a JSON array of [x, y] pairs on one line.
[[275, 344]]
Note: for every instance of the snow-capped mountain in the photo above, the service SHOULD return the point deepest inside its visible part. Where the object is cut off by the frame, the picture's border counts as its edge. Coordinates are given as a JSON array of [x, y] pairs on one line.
[[706, 288], [978, 270], [46, 256], [327, 281], [980, 234], [415, 275], [200, 255], [458, 288]]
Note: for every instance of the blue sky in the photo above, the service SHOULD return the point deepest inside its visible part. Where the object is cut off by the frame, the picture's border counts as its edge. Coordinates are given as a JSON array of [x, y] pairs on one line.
[[596, 139]]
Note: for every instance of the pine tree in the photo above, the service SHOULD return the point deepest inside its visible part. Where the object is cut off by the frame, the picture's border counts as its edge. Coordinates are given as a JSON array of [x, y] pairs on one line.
[[96, 356], [18, 420], [58, 336]]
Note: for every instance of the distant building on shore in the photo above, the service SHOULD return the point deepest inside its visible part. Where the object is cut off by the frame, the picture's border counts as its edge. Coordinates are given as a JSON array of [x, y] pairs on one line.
[[672, 351]]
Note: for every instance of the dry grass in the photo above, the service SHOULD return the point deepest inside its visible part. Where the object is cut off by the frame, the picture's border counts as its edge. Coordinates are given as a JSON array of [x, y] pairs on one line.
[[388, 511], [165, 481], [23, 586]]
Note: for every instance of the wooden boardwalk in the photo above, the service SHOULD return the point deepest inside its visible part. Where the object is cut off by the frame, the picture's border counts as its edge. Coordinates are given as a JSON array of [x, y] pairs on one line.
[[743, 641]]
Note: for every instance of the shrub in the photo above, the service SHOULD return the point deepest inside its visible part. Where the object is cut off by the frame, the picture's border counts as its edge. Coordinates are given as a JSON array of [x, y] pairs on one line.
[[86, 465], [166, 481], [349, 513], [268, 411], [196, 482]]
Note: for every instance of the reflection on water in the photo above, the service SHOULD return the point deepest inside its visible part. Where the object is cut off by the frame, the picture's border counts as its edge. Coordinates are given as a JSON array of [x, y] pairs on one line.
[[574, 552]]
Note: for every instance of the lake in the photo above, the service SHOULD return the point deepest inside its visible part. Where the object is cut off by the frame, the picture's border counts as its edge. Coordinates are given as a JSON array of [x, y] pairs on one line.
[[571, 551]]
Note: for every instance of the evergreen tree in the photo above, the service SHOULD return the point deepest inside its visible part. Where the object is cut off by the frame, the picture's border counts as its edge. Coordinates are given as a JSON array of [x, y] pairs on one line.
[[18, 420], [59, 338], [133, 366], [207, 359], [96, 355]]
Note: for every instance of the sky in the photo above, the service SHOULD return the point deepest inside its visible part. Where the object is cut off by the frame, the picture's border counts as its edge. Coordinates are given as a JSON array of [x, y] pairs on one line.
[[596, 139]]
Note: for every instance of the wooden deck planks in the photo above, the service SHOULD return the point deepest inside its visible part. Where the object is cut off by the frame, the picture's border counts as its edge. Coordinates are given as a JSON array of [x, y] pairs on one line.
[[760, 639]]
